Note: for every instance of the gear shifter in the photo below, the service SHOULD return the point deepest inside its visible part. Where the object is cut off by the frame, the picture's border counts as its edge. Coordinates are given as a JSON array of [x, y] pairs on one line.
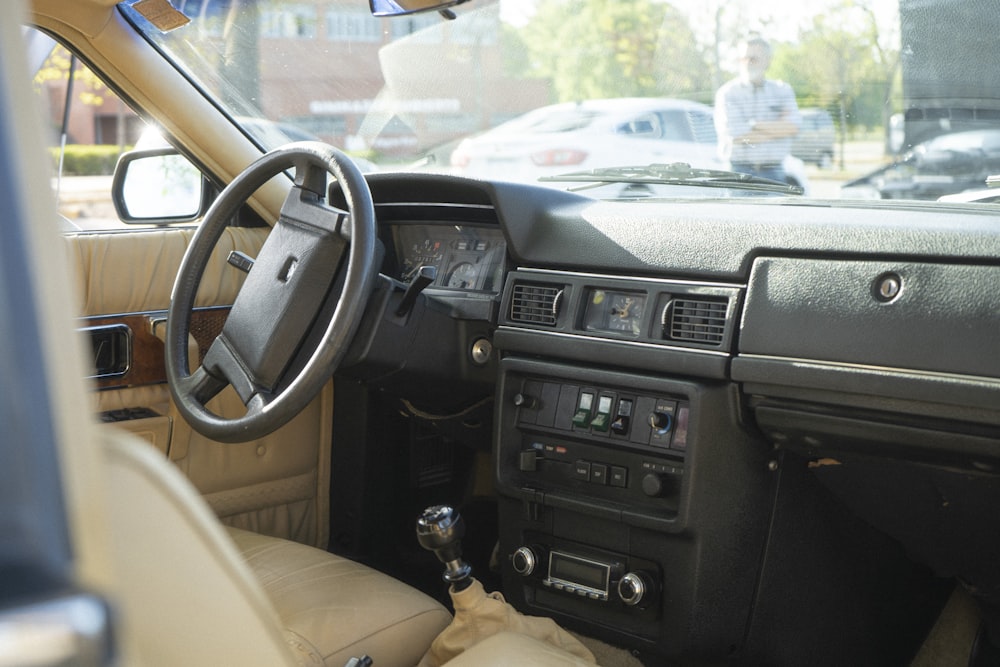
[[440, 529]]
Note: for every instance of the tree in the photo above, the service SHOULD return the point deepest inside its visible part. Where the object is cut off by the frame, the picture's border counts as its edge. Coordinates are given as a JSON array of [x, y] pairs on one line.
[[87, 88], [617, 48], [843, 63]]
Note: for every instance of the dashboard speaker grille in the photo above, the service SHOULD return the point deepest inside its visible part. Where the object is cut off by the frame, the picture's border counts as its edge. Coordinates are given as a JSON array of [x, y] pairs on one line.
[[535, 304], [696, 320]]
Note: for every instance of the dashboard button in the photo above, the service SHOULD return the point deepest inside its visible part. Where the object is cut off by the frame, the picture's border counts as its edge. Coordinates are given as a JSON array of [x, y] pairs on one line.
[[599, 473]]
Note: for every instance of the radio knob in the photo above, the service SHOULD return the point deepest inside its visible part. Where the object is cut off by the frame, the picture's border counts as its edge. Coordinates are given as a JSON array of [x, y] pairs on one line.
[[633, 587], [524, 561]]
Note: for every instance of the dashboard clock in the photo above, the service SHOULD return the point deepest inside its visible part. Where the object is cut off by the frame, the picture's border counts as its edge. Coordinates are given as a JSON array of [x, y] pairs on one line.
[[616, 312]]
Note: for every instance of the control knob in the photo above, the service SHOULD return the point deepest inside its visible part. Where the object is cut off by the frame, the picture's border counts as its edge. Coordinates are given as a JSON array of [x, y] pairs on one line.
[[661, 422], [634, 586], [525, 560], [525, 401], [656, 485]]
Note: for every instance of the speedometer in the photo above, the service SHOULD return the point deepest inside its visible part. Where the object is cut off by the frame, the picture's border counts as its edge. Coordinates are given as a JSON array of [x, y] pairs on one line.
[[463, 276]]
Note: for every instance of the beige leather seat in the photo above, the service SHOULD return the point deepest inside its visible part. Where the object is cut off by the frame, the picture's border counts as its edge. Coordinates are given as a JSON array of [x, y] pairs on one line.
[[190, 592], [333, 608], [194, 593]]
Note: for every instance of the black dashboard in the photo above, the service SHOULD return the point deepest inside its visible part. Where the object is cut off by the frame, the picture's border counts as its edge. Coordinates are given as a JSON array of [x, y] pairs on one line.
[[682, 387]]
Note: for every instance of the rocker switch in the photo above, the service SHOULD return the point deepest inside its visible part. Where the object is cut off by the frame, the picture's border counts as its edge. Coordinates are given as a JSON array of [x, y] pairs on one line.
[[602, 420], [584, 406]]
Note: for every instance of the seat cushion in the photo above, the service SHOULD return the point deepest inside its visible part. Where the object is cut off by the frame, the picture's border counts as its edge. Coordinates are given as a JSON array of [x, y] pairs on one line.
[[334, 609]]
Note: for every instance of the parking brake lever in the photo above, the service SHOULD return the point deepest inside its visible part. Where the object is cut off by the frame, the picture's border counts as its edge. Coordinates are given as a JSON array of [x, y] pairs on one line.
[[424, 276]]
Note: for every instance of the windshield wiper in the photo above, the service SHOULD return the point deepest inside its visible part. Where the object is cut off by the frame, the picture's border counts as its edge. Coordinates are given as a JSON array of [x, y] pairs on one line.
[[677, 173]]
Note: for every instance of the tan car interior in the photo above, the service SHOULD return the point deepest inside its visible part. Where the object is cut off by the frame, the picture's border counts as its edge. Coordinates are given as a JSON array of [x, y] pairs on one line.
[[207, 551]]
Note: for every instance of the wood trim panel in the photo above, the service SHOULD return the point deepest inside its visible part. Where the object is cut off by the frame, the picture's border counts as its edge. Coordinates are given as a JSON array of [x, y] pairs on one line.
[[145, 351]]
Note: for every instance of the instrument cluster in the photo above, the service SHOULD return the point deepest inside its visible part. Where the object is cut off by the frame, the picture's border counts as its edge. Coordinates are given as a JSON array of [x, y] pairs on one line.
[[466, 257]]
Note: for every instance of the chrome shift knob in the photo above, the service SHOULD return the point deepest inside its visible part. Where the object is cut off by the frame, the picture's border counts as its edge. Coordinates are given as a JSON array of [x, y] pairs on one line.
[[440, 529]]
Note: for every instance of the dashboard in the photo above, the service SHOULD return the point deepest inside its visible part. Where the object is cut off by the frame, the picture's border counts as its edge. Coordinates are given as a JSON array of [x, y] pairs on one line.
[[680, 388]]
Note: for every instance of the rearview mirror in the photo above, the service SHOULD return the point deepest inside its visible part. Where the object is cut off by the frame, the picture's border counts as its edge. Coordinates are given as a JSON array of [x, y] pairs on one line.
[[401, 7], [157, 186]]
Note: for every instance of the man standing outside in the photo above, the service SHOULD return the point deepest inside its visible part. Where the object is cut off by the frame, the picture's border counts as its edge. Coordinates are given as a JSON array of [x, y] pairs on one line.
[[756, 118]]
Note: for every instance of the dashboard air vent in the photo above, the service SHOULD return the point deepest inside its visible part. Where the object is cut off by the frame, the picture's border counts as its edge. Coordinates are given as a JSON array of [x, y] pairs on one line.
[[695, 320], [533, 303]]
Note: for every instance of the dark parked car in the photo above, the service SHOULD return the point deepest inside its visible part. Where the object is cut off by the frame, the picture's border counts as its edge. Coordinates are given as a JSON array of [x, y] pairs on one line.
[[814, 142], [944, 165]]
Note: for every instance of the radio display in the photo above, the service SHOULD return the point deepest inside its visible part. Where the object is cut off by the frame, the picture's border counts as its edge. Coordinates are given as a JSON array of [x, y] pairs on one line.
[[579, 571]]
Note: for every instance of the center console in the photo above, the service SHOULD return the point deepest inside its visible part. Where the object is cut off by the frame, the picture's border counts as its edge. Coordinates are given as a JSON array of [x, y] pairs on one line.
[[626, 503]]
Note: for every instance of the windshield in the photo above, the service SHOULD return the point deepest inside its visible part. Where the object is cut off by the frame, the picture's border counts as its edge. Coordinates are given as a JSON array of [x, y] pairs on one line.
[[833, 97]]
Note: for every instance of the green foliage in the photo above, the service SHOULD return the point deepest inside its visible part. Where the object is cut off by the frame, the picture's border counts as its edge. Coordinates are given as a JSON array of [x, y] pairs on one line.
[[641, 48], [840, 64], [617, 48], [83, 160], [56, 68]]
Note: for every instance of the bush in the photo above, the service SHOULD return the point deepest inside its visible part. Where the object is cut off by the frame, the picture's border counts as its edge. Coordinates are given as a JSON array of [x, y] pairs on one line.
[[83, 160]]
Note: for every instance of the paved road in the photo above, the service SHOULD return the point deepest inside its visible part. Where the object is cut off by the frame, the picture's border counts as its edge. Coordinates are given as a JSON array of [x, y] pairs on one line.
[[860, 157], [86, 201]]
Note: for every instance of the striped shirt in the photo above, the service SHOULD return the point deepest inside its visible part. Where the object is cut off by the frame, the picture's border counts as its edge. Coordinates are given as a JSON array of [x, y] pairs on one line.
[[739, 104]]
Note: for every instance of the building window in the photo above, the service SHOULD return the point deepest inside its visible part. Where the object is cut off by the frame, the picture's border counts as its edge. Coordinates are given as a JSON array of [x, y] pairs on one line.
[[291, 22], [428, 26], [345, 25]]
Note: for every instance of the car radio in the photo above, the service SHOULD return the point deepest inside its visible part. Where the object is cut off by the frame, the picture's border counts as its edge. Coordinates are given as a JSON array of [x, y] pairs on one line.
[[563, 574]]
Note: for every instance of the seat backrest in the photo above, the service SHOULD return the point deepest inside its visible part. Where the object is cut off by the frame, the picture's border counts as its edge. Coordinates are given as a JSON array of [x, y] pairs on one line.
[[186, 596], [140, 536]]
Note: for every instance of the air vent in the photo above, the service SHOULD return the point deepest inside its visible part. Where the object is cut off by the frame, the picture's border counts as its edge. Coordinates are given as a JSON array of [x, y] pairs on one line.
[[535, 304], [695, 320]]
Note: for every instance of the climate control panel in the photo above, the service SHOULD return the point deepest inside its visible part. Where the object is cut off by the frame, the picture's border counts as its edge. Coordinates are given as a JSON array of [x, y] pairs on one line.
[[596, 443]]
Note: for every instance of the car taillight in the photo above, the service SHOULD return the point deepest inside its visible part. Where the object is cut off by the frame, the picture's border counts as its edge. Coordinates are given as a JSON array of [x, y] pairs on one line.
[[558, 157]]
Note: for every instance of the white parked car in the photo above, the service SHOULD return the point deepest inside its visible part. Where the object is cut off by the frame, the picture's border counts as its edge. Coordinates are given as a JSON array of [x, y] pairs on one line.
[[578, 136], [586, 135]]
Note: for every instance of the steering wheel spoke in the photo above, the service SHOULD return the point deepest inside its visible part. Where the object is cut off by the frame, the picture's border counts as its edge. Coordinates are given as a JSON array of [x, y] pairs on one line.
[[275, 349], [201, 385]]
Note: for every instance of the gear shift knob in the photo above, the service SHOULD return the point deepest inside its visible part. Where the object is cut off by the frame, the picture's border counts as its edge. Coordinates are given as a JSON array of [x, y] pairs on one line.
[[440, 529]]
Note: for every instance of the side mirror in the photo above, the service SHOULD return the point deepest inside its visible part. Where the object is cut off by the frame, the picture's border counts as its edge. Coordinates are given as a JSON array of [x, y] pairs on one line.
[[158, 186], [401, 7]]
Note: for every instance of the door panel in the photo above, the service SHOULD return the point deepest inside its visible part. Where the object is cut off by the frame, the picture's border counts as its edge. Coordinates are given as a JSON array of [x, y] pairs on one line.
[[278, 485], [133, 272]]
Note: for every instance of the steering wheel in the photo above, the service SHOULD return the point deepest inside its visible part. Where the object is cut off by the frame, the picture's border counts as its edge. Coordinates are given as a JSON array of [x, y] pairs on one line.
[[280, 344]]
